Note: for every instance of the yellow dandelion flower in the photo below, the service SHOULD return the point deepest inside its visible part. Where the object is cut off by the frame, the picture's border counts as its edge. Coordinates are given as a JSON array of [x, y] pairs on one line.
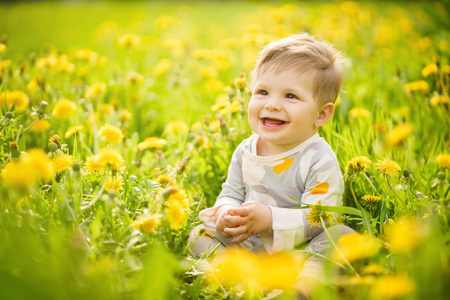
[[73, 130], [106, 109], [358, 164], [392, 287], [175, 46], [429, 70], [124, 115], [129, 41], [358, 112], [163, 179], [207, 72], [443, 160], [200, 54], [94, 166], [421, 86], [235, 106], [197, 126], [354, 246], [404, 235], [62, 162], [438, 99], [134, 78], [373, 268], [178, 196], [114, 184], [111, 133], [164, 22], [163, 67], [19, 99], [95, 90], [86, 55], [64, 109], [315, 214], [2, 48], [55, 139], [215, 125], [446, 69], [147, 223], [39, 164], [22, 201], [152, 143], [388, 167], [17, 175], [175, 214], [398, 134], [201, 141], [41, 126], [371, 201], [237, 266], [112, 157], [177, 127]]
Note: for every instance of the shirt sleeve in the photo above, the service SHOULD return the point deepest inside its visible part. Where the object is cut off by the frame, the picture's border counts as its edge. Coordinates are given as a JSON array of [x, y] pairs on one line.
[[233, 189], [290, 227]]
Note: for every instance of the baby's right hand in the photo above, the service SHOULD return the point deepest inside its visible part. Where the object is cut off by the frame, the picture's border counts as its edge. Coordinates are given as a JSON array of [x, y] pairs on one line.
[[220, 222]]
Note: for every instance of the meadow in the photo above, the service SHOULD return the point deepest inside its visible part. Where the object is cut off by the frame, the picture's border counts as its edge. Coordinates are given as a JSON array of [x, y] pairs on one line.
[[118, 121]]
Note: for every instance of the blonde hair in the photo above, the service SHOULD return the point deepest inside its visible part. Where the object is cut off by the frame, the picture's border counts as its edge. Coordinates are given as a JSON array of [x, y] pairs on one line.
[[304, 53]]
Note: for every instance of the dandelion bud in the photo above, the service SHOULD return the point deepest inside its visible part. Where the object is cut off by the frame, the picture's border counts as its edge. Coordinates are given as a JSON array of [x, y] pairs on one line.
[[76, 167], [441, 176], [8, 115], [55, 139], [42, 107], [52, 147], [15, 152], [406, 173]]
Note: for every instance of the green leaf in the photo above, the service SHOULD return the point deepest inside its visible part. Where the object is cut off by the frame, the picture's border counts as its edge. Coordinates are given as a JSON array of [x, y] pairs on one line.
[[366, 218], [337, 209]]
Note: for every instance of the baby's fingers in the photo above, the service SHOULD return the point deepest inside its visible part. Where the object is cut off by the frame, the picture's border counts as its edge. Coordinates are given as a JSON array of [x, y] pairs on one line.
[[240, 238], [241, 211]]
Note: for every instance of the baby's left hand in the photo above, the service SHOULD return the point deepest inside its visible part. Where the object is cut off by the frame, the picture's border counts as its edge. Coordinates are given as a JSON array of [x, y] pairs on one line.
[[250, 219]]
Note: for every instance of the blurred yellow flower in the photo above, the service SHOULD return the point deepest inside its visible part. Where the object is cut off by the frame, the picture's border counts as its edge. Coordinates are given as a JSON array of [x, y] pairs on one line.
[[62, 162], [420, 85], [175, 214], [110, 156], [134, 78], [94, 166], [373, 268], [239, 267], [41, 126], [95, 90], [200, 54], [2, 48], [64, 109], [164, 22], [358, 112], [5, 64], [404, 235], [175, 46], [86, 55], [73, 130], [152, 143], [315, 214], [358, 164], [48, 62], [17, 175], [222, 105], [124, 115], [163, 179], [196, 126], [437, 99], [445, 69], [39, 163], [111, 133], [443, 160], [388, 167], [129, 41], [392, 287], [215, 125], [429, 70], [19, 99], [354, 246], [147, 223], [177, 127], [162, 67], [398, 134], [207, 72], [114, 184]]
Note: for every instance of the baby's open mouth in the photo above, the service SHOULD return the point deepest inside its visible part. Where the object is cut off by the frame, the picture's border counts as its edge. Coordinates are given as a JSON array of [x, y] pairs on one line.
[[272, 122]]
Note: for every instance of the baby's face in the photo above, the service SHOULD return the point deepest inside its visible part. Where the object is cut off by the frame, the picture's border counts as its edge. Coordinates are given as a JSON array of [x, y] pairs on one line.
[[282, 110]]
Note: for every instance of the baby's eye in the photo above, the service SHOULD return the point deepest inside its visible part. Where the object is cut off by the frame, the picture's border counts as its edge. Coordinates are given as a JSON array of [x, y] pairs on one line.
[[263, 92], [291, 96]]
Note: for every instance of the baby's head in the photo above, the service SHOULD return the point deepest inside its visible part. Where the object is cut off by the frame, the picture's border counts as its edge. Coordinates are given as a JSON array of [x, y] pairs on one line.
[[303, 53]]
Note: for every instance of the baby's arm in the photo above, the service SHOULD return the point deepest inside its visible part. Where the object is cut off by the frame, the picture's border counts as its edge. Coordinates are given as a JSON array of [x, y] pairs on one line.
[[250, 219]]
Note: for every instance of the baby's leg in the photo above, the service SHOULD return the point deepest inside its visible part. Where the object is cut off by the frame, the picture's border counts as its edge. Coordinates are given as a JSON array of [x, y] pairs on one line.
[[313, 273], [202, 240]]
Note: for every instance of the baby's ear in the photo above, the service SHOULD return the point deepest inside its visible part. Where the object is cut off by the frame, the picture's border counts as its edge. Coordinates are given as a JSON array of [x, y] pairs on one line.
[[324, 115]]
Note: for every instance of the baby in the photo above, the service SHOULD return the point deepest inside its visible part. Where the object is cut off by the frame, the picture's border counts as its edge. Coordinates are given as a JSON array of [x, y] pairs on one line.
[[294, 85]]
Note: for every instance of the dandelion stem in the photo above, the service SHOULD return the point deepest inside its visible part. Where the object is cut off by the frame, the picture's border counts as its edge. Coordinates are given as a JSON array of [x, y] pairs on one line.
[[99, 193], [370, 182], [336, 248], [31, 125], [353, 194], [18, 133], [395, 193]]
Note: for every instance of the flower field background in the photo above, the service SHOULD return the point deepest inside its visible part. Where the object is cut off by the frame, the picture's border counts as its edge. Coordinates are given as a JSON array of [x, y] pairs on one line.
[[118, 121]]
